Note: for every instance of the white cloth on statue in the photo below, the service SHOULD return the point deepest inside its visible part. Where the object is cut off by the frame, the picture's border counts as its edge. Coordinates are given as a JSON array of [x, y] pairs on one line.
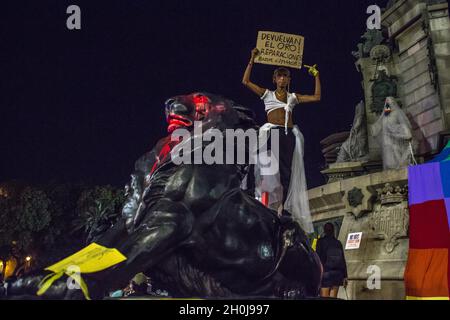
[[271, 103], [393, 132], [297, 202]]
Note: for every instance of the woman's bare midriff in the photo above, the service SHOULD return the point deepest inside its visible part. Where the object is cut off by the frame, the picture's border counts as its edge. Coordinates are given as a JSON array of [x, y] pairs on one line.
[[277, 117]]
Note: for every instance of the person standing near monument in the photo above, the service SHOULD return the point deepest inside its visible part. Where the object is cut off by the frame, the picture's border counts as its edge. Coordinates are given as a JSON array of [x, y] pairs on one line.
[[279, 104], [331, 254]]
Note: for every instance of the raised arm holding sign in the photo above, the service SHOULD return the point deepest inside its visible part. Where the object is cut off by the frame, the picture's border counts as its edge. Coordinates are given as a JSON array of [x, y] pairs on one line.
[[281, 78]]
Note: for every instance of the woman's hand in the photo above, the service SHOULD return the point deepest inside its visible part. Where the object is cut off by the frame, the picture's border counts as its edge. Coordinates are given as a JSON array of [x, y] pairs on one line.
[[255, 52], [312, 70]]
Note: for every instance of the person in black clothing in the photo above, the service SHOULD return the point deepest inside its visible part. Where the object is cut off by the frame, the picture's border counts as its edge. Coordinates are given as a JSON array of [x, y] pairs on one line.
[[331, 255]]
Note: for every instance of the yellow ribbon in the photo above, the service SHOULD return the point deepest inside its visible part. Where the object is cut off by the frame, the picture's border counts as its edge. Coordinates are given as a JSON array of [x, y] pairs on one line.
[[314, 244], [91, 259], [426, 298], [46, 283]]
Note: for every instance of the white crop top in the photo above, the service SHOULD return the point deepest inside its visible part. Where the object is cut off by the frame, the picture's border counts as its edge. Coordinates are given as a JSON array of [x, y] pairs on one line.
[[271, 103]]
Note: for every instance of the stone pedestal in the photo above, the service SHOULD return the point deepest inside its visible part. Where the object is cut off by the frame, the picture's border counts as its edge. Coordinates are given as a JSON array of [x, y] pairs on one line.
[[344, 170], [376, 205]]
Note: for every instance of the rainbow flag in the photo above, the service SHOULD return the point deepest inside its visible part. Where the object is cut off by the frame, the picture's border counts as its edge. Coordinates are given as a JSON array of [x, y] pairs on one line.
[[427, 273]]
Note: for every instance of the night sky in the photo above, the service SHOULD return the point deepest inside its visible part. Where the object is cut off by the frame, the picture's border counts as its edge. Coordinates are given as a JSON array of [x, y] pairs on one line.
[[83, 105]]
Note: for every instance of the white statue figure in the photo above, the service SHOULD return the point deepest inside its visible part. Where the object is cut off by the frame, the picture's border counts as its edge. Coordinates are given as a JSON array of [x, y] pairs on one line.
[[355, 147], [394, 135]]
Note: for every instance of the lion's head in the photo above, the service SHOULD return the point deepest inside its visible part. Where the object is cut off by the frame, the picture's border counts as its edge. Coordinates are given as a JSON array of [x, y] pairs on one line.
[[181, 111]]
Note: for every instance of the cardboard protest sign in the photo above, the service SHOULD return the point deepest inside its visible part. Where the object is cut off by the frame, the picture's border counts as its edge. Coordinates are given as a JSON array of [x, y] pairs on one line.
[[280, 49]]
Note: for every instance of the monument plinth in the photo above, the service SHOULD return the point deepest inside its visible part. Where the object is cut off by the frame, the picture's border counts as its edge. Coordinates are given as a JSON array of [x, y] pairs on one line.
[[407, 59]]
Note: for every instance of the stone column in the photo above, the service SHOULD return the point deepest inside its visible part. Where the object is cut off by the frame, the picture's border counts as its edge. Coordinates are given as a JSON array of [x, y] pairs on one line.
[[439, 30], [419, 32]]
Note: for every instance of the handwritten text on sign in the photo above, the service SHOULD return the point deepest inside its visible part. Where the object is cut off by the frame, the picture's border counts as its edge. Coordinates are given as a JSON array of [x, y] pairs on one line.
[[280, 49]]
